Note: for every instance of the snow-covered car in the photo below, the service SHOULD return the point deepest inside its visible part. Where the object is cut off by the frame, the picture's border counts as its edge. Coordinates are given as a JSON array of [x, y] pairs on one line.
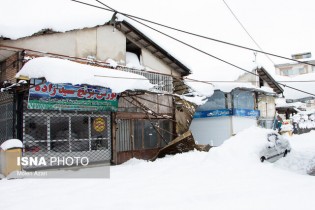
[[276, 147]]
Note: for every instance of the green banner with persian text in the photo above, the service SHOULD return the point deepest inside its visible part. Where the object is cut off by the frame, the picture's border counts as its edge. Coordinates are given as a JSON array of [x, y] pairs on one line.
[[50, 96]]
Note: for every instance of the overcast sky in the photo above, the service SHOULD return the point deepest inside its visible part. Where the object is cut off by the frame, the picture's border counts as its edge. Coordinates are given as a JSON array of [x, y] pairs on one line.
[[282, 27]]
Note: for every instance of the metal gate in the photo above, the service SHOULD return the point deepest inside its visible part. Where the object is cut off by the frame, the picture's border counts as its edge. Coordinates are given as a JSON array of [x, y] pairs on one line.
[[67, 134], [125, 136], [139, 134], [139, 137], [6, 116]]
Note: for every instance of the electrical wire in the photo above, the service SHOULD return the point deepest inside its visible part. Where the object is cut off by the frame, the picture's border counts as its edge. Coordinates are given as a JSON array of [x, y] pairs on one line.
[[174, 77], [250, 36], [199, 50], [210, 81], [131, 17], [207, 82], [190, 33]]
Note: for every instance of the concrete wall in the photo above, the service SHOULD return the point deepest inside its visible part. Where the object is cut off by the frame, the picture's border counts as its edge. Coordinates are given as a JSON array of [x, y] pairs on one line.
[[252, 78], [308, 68], [241, 123], [246, 77], [155, 64], [101, 42], [267, 107], [111, 44], [213, 131]]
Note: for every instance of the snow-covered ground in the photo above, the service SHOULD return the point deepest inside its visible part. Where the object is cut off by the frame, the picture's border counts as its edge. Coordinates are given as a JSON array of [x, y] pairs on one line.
[[227, 177]]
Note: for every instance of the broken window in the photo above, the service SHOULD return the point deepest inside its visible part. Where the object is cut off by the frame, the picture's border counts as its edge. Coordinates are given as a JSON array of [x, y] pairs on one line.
[[133, 55], [133, 48], [243, 99], [216, 101]]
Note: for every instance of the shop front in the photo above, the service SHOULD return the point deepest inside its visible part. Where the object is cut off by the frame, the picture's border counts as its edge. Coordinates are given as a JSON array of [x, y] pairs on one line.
[[63, 120], [224, 115]]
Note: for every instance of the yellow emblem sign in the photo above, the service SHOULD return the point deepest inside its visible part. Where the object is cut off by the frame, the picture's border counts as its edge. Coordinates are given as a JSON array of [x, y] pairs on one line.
[[99, 124]]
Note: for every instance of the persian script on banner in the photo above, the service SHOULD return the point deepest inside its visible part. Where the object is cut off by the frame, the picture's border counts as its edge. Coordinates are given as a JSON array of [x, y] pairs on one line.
[[50, 96]]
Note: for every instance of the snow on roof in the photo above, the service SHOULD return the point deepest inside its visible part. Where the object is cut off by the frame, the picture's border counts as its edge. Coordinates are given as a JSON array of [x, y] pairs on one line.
[[295, 104], [34, 15], [202, 65], [10, 144], [295, 63], [228, 87], [206, 89], [290, 93], [57, 70], [194, 98], [202, 88]]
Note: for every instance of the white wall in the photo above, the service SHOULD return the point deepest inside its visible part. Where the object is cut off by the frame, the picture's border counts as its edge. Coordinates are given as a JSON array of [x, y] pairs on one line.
[[111, 44], [267, 106], [100, 42], [213, 131], [216, 130], [241, 123], [155, 64]]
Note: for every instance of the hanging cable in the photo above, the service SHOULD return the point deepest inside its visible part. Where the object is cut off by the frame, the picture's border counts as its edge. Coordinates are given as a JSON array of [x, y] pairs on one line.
[[207, 82], [197, 49], [193, 34], [131, 17], [250, 36]]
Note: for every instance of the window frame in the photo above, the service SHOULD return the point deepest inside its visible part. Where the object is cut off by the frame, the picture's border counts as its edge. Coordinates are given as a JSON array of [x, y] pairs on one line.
[[242, 91]]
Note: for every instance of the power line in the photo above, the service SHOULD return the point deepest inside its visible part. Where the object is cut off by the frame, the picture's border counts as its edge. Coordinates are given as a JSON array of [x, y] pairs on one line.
[[199, 50], [131, 17], [298, 81], [234, 15], [190, 33], [193, 80], [60, 55], [92, 5], [209, 81]]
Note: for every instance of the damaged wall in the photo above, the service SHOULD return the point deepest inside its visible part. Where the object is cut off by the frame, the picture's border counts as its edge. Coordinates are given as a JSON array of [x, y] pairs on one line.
[[100, 42]]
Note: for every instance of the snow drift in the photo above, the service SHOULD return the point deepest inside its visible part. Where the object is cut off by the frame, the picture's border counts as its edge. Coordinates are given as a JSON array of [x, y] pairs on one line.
[[227, 177]]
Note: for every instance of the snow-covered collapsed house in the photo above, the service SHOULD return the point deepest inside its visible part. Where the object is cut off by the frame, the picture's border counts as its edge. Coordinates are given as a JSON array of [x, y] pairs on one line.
[[91, 119], [234, 106]]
